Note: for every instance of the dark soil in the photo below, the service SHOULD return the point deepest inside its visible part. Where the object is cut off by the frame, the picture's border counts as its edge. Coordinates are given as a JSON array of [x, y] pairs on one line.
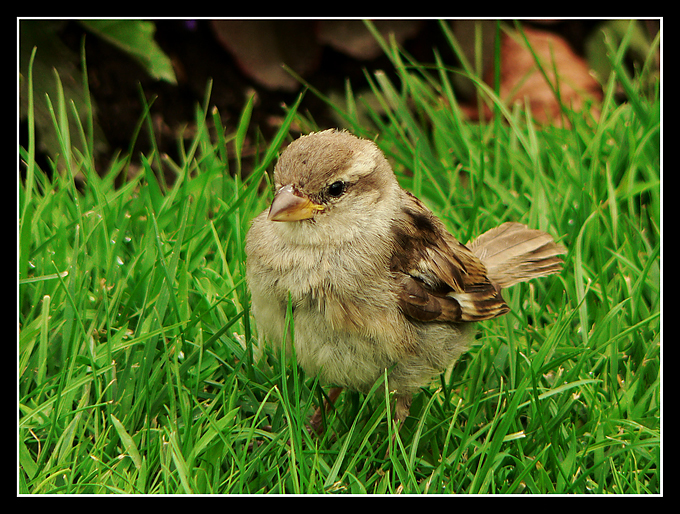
[[197, 56]]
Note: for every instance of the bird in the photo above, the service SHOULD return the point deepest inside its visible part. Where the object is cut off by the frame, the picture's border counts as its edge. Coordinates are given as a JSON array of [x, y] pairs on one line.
[[374, 279]]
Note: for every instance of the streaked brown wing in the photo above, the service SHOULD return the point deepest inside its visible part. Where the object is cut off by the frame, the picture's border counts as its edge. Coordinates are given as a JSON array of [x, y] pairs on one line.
[[438, 278]]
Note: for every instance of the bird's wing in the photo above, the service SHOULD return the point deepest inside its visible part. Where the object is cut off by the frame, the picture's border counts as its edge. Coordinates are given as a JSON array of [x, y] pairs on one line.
[[437, 277]]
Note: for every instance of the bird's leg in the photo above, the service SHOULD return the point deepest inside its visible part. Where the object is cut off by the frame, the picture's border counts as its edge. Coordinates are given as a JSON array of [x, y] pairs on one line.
[[402, 408], [316, 421]]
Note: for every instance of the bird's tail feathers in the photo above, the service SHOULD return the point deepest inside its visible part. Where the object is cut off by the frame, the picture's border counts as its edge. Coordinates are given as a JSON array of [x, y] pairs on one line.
[[514, 253]]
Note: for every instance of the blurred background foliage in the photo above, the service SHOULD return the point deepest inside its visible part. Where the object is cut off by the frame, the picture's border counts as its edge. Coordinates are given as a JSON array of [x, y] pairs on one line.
[[170, 61]]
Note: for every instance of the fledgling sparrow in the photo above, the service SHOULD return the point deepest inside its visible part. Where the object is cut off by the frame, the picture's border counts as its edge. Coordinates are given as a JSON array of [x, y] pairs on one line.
[[375, 279]]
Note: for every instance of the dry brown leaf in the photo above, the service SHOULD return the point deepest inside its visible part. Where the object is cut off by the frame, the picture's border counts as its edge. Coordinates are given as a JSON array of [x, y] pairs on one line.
[[352, 38], [260, 47], [521, 79]]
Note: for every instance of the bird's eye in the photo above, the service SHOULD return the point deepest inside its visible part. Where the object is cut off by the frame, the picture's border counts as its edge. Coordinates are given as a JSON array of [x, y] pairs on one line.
[[336, 189]]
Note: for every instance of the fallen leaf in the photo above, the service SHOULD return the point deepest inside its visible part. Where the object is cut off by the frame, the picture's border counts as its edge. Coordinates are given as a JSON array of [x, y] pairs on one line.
[[260, 47], [522, 79], [352, 38]]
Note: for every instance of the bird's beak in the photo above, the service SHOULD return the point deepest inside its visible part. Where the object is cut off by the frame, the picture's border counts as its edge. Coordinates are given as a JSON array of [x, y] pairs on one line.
[[291, 205]]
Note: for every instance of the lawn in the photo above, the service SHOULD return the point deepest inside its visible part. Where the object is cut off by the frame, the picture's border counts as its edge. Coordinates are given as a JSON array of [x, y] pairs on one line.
[[139, 368]]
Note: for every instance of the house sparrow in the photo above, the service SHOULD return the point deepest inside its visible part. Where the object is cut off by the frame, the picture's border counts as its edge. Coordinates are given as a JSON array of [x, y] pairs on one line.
[[375, 279]]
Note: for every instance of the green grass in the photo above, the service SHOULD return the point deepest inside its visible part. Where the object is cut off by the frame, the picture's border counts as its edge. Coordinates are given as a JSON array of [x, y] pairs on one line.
[[139, 369]]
